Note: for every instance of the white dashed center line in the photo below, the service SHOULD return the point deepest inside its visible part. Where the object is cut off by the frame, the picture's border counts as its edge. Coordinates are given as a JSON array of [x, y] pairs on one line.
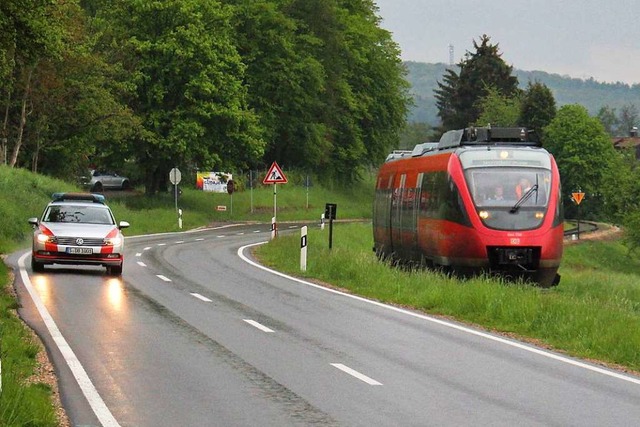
[[161, 244], [147, 248], [258, 325], [180, 241], [199, 240], [356, 374], [139, 254], [200, 297], [142, 264], [160, 276]]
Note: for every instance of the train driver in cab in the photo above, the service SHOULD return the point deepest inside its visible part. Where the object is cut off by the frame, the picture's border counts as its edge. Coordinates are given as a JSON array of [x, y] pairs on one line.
[[523, 186]]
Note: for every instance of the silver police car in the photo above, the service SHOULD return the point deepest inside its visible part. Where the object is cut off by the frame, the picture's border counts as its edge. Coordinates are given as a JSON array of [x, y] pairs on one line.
[[78, 228]]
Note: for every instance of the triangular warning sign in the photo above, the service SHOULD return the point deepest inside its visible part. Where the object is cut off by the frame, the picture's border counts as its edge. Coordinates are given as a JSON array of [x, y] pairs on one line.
[[577, 197], [275, 175]]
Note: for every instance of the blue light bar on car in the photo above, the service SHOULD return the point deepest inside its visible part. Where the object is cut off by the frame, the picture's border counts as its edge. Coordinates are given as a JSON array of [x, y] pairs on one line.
[[89, 197]]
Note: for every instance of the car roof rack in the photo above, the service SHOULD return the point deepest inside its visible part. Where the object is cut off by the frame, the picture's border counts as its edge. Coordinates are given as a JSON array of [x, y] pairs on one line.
[[86, 197], [489, 136]]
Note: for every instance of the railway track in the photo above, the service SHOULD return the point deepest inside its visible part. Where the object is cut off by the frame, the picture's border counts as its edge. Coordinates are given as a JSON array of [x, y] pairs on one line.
[[585, 227]]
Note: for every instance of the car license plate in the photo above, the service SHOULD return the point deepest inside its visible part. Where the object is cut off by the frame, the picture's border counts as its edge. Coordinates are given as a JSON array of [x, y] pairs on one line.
[[80, 251]]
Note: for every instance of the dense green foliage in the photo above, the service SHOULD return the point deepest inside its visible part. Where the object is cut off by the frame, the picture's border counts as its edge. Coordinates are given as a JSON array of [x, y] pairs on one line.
[[537, 107], [593, 313], [587, 162], [204, 85], [480, 72]]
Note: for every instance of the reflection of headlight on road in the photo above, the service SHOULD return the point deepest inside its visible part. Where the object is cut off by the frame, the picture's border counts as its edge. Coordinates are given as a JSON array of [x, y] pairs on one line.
[[115, 294], [114, 241], [42, 286]]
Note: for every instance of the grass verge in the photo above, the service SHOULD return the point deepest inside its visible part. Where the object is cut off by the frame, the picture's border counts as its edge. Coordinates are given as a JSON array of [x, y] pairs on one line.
[[593, 314], [22, 401]]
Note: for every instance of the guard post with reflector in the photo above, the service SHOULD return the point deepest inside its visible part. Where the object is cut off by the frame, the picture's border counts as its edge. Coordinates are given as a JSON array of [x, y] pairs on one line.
[[303, 248]]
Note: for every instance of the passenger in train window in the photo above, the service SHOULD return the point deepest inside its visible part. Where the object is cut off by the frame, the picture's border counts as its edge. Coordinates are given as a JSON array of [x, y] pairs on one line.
[[498, 193]]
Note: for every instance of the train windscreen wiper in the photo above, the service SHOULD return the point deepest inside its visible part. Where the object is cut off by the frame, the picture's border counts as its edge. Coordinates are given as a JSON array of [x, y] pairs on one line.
[[524, 198]]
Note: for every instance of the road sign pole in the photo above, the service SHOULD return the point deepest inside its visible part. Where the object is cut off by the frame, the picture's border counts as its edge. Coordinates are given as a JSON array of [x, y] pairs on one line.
[[578, 222], [275, 191]]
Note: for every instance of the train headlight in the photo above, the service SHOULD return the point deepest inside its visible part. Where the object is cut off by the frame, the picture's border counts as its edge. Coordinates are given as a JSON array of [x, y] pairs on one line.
[[539, 215], [484, 214]]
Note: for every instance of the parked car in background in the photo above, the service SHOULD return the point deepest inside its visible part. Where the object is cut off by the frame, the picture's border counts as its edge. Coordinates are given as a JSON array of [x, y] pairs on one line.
[[99, 181], [79, 229]]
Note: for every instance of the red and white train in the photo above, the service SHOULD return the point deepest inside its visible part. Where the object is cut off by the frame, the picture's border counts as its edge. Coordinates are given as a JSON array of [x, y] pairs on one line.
[[480, 200]]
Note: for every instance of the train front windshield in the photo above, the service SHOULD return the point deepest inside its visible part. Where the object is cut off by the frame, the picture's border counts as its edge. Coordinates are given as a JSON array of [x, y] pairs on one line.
[[510, 187]]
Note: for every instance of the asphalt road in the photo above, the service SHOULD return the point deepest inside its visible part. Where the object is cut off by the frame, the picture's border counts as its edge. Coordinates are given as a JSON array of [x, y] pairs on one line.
[[195, 334]]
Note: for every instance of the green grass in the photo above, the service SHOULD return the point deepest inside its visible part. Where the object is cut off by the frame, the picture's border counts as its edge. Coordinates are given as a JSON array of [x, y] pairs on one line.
[[21, 403], [594, 313]]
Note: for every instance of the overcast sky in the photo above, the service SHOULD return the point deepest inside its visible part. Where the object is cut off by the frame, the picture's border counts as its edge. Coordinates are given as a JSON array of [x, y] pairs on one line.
[[578, 38]]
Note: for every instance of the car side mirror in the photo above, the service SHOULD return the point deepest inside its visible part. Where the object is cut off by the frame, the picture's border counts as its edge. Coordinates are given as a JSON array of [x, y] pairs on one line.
[[123, 224], [33, 221]]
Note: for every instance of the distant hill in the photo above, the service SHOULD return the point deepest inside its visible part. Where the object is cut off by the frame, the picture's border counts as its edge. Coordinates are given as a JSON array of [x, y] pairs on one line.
[[567, 90]]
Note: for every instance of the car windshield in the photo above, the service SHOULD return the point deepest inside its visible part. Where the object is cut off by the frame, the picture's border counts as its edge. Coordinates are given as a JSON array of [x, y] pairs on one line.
[[85, 214]]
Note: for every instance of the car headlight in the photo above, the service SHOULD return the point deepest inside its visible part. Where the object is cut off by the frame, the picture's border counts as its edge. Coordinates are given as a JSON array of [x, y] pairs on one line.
[[113, 241], [43, 238]]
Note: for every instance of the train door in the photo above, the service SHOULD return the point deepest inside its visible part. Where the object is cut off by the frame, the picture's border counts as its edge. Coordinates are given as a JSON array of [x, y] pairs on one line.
[[410, 218], [382, 214], [396, 214]]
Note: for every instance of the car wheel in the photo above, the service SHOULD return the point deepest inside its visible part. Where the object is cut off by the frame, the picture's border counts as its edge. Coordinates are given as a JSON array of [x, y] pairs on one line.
[[37, 267], [114, 270], [126, 185], [97, 187]]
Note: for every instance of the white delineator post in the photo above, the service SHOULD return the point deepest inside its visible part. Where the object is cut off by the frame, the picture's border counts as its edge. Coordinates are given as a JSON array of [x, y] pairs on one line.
[[273, 228], [322, 222], [303, 248]]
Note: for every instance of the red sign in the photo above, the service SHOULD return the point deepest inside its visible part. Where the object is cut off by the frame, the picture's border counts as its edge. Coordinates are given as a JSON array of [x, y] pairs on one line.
[[275, 175], [577, 197]]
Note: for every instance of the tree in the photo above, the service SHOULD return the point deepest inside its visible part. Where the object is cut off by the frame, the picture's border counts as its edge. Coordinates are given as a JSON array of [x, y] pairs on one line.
[[609, 120], [538, 107], [187, 80], [628, 119], [286, 83], [364, 101], [30, 31], [497, 110], [457, 96], [586, 158]]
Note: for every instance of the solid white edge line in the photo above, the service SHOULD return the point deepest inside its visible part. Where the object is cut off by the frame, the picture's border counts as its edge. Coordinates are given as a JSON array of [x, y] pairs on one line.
[[161, 277], [98, 406], [258, 325], [461, 328], [142, 264], [200, 297], [355, 374]]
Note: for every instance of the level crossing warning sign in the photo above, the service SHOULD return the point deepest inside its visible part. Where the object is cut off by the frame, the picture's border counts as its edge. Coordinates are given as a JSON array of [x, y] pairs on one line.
[[275, 175]]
